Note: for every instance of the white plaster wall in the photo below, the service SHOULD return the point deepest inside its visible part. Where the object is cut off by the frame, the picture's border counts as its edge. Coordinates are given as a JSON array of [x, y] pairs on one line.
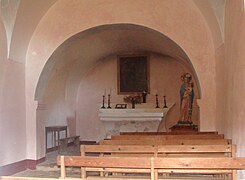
[[57, 110], [13, 113], [80, 15], [165, 73], [12, 106], [3, 57], [235, 55], [222, 123]]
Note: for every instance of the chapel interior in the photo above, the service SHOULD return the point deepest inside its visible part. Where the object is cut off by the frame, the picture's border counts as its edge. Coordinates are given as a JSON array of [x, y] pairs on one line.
[[62, 77]]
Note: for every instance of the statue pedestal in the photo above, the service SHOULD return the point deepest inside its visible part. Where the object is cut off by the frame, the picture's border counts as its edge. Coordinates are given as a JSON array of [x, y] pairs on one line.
[[184, 127]]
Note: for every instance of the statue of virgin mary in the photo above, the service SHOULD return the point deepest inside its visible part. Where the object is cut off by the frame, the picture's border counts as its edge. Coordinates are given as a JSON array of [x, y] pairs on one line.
[[186, 98]]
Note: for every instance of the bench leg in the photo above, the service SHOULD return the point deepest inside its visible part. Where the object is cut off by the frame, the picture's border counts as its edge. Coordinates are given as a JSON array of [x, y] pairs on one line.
[[155, 174], [234, 172], [102, 174], [165, 175], [152, 169], [83, 173]]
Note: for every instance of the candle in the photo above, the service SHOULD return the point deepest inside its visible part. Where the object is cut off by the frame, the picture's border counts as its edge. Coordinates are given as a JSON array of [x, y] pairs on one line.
[[110, 91], [105, 92]]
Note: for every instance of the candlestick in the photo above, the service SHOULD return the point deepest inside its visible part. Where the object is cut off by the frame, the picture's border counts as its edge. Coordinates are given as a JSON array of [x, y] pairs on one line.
[[144, 94], [157, 104], [165, 102], [103, 102], [133, 102], [109, 102]]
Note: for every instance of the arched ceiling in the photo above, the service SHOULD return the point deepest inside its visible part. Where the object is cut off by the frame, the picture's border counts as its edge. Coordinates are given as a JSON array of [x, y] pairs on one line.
[[214, 13], [30, 13], [105, 40], [82, 51]]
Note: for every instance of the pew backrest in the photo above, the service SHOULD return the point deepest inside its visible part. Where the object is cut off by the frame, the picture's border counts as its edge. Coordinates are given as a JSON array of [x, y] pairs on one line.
[[170, 133], [159, 151], [167, 137], [167, 142], [147, 162]]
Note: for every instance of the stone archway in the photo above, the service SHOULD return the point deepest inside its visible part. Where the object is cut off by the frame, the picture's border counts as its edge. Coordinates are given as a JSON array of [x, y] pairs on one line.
[[154, 15], [61, 79]]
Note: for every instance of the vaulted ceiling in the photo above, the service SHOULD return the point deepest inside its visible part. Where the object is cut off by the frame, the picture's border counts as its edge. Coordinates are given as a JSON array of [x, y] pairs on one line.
[[21, 18]]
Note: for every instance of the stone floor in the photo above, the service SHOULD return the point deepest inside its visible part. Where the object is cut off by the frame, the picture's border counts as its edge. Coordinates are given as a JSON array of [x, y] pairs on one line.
[[49, 168]]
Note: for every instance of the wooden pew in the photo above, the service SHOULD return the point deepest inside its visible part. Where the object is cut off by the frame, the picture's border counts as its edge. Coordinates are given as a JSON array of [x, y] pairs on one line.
[[94, 178], [167, 142], [206, 151], [171, 133], [25, 178], [165, 150], [166, 137], [149, 165]]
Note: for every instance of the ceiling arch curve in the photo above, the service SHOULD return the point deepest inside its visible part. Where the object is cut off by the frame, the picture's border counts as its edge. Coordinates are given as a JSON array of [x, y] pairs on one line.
[[215, 23], [36, 10], [83, 50], [3, 49]]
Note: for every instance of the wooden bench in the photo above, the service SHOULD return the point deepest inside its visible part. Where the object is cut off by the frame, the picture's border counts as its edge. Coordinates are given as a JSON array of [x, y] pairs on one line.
[[167, 136], [171, 133], [206, 151], [148, 164], [25, 178], [167, 142], [64, 143]]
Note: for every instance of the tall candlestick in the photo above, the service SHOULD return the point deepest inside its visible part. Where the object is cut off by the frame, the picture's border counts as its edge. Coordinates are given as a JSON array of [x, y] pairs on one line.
[[144, 94], [157, 104], [165, 102], [109, 102], [103, 102], [133, 102]]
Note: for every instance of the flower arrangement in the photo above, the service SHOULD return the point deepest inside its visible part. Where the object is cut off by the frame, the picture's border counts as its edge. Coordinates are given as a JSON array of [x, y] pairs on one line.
[[137, 99]]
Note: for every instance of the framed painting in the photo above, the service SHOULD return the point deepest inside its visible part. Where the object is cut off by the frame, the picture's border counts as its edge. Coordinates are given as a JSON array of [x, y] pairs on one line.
[[133, 74]]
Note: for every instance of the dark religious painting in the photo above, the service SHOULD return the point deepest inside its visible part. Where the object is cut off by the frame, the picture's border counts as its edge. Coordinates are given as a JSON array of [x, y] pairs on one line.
[[133, 74]]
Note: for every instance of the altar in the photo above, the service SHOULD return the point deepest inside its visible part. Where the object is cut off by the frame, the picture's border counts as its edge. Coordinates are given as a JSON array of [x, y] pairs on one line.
[[143, 112]]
